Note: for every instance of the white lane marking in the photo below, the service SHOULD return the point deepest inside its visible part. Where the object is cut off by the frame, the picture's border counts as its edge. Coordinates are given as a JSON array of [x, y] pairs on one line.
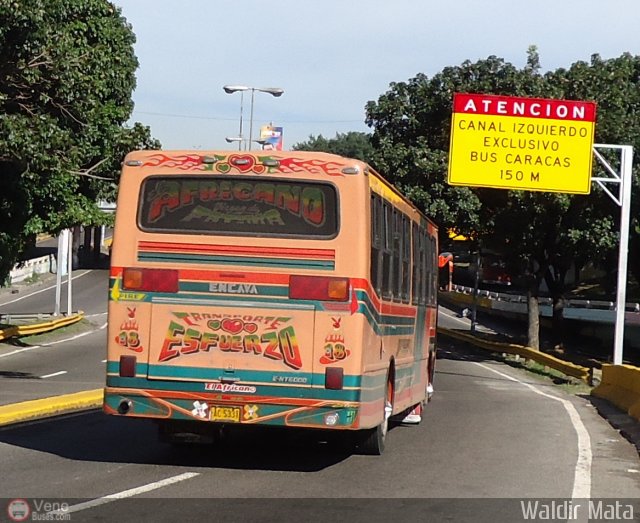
[[60, 373], [18, 351], [582, 476], [127, 493], [464, 322], [45, 289], [26, 349], [452, 316]]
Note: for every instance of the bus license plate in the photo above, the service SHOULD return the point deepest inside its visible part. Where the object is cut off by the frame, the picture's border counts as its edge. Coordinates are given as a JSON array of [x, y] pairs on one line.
[[225, 414]]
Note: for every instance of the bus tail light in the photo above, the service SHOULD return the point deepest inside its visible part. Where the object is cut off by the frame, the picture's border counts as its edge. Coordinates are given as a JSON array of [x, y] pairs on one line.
[[158, 280], [320, 288], [333, 378]]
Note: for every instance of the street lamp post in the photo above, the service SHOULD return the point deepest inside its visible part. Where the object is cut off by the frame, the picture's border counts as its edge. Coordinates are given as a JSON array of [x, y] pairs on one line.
[[230, 89]]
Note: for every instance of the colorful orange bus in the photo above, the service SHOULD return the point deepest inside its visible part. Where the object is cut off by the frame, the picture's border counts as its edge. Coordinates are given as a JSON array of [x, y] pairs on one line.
[[291, 289]]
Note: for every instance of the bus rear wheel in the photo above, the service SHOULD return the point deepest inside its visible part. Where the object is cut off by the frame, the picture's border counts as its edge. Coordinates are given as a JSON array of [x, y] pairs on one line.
[[372, 441]]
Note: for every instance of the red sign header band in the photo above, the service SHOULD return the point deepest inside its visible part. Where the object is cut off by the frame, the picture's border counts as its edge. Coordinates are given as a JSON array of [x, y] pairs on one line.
[[483, 104]]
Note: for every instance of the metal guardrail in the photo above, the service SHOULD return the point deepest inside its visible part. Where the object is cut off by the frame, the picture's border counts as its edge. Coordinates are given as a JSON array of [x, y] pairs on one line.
[[517, 298], [38, 328], [19, 317], [566, 367]]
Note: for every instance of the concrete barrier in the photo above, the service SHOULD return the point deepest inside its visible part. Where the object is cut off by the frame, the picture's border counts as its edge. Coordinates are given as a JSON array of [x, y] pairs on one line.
[[620, 385], [596, 311], [29, 268], [595, 319]]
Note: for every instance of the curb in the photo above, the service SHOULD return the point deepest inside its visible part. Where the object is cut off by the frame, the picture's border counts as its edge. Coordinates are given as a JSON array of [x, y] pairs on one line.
[[52, 406], [627, 425]]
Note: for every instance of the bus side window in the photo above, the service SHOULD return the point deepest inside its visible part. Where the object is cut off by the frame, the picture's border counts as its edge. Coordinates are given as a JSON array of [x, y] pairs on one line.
[[433, 264], [415, 265], [406, 259], [397, 255], [376, 243], [424, 269], [387, 244], [428, 250]]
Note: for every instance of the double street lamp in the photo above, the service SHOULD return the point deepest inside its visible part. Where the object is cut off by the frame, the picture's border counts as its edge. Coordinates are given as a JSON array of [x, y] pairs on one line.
[[241, 140], [230, 89]]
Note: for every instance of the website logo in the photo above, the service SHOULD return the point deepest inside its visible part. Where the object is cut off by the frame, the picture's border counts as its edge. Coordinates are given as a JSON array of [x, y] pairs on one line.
[[18, 510]]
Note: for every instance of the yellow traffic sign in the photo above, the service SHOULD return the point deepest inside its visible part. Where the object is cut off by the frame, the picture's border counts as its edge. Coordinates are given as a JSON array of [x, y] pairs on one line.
[[521, 143]]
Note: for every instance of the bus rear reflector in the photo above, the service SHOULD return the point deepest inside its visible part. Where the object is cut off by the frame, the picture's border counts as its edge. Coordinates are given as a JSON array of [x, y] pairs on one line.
[[158, 280], [128, 366], [333, 378], [320, 288]]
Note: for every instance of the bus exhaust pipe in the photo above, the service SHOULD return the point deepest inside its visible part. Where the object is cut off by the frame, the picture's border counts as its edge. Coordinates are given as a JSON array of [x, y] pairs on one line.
[[124, 407]]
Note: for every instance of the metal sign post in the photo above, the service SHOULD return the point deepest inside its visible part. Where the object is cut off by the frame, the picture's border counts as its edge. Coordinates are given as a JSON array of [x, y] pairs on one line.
[[63, 266], [622, 200], [61, 261], [69, 269]]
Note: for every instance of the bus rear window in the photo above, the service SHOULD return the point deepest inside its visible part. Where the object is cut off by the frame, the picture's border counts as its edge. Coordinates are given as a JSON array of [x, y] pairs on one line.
[[237, 206]]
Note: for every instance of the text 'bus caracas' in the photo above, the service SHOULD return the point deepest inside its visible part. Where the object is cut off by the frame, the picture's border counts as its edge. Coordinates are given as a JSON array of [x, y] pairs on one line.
[[277, 288]]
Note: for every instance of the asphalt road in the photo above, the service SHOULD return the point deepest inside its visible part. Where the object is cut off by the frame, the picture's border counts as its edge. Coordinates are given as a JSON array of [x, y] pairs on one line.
[[59, 363], [485, 438], [89, 294], [492, 436]]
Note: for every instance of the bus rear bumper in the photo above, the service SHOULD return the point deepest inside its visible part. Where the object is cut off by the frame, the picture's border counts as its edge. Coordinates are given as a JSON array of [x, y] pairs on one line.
[[237, 410]]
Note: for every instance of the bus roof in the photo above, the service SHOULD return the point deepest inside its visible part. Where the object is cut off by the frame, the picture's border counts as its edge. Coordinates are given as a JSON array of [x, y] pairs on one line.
[[267, 162]]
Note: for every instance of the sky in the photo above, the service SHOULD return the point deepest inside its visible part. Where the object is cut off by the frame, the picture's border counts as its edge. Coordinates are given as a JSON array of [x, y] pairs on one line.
[[331, 57]]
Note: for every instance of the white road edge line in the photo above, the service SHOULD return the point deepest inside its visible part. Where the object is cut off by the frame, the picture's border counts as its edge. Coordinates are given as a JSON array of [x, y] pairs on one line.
[[45, 289], [126, 493], [60, 373], [26, 349], [582, 476]]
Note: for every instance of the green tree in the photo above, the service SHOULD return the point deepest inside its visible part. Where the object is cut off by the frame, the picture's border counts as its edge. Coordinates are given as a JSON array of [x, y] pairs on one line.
[[540, 233], [614, 85], [350, 145], [412, 126], [67, 72]]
